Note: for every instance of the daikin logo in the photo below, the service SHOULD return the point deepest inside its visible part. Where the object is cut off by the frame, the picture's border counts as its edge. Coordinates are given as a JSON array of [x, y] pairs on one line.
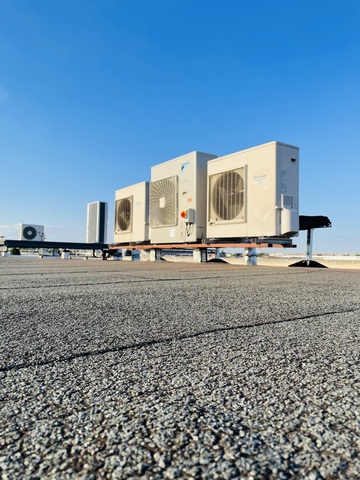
[[184, 167]]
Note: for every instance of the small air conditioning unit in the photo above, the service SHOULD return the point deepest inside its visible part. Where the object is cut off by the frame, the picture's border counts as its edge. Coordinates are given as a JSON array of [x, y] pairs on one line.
[[178, 199], [132, 214], [254, 193], [33, 233], [96, 226]]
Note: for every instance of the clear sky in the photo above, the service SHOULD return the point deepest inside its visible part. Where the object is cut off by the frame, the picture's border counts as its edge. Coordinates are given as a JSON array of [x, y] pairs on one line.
[[95, 92]]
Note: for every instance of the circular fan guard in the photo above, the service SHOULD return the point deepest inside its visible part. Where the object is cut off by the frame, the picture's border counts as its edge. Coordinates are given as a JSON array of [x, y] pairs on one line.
[[228, 195], [124, 214], [29, 233]]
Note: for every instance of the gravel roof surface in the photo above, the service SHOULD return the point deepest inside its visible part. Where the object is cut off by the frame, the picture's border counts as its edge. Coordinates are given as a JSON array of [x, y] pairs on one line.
[[174, 370]]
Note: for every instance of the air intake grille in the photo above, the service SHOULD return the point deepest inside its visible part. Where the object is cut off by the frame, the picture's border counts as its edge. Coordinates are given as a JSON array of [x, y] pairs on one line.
[[123, 215], [227, 196], [164, 202], [288, 201]]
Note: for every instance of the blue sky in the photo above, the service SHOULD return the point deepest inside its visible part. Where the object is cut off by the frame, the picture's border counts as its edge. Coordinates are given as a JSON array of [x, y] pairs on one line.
[[95, 92]]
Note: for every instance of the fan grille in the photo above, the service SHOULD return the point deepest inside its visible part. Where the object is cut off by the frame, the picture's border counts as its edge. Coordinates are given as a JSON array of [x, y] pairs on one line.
[[227, 196], [123, 214], [163, 202], [29, 232]]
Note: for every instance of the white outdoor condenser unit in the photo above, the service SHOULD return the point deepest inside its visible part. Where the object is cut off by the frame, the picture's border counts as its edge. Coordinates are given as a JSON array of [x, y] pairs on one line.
[[254, 193], [178, 199], [132, 214], [31, 232]]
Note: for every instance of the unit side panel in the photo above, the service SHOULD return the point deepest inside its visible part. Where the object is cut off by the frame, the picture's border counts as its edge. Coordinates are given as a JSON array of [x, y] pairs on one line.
[[288, 174], [201, 195], [261, 189], [287, 194], [146, 212], [92, 223]]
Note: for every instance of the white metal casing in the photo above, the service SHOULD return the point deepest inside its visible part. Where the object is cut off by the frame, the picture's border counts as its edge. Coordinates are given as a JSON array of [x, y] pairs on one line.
[[176, 185], [96, 224], [34, 233], [270, 193], [132, 214]]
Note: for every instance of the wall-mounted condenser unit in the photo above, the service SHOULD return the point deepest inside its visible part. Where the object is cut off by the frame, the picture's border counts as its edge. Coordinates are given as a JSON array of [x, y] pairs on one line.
[[254, 193], [132, 214], [178, 199]]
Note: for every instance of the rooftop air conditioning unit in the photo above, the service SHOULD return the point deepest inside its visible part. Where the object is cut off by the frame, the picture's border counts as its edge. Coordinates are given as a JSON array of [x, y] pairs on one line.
[[132, 214], [96, 225], [33, 233], [254, 193], [178, 199]]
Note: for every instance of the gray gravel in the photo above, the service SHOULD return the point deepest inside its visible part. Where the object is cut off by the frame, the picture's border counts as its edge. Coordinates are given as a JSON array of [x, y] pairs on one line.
[[137, 370]]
